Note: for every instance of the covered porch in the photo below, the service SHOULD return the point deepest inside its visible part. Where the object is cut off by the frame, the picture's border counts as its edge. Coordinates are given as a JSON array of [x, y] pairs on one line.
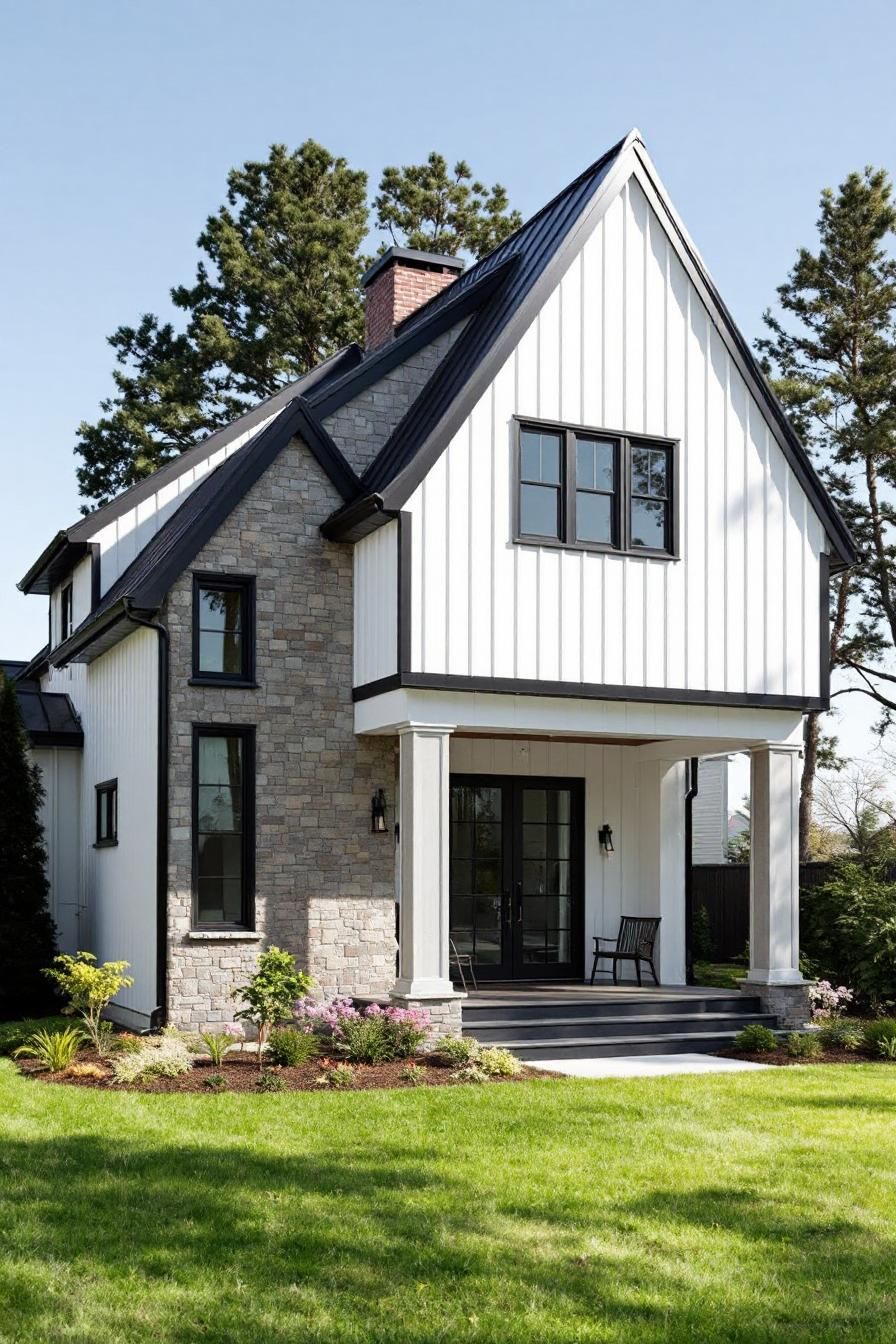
[[505, 805]]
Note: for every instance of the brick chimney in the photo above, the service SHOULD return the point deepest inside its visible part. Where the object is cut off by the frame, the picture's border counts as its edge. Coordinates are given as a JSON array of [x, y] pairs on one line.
[[397, 284]]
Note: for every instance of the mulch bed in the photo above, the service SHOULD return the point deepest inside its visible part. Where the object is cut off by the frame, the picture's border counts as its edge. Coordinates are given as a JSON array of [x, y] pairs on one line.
[[781, 1057], [241, 1072]]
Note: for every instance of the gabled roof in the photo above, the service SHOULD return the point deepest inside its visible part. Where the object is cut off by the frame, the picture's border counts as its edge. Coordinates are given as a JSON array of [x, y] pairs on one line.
[[144, 584], [542, 250]]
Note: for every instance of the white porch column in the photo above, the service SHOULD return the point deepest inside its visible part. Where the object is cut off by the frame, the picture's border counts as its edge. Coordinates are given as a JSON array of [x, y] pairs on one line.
[[423, 921], [660, 838], [774, 865]]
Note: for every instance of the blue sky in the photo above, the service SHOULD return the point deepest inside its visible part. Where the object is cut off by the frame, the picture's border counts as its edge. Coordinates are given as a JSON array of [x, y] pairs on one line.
[[120, 121]]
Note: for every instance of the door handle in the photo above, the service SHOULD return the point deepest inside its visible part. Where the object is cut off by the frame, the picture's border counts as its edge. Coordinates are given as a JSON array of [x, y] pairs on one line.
[[519, 902]]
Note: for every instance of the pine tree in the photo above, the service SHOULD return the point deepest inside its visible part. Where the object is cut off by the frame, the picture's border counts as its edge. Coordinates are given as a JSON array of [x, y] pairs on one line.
[[424, 206], [834, 368], [27, 931]]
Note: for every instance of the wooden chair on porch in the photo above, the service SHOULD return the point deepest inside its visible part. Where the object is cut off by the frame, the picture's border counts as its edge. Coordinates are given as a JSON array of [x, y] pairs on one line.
[[634, 942]]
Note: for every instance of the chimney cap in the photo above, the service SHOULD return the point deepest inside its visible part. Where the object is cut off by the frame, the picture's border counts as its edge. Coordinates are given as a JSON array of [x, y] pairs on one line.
[[410, 257]]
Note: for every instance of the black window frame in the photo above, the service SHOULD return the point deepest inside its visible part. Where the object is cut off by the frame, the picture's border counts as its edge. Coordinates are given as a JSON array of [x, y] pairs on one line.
[[244, 584], [248, 803], [106, 791], [623, 495], [66, 611]]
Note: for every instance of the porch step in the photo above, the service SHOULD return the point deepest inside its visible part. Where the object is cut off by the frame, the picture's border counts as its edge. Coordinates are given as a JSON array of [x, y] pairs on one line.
[[525, 1008], [609, 1047], [498, 1031]]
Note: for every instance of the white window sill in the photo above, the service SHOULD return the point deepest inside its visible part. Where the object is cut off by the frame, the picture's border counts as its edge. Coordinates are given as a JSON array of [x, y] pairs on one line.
[[224, 936]]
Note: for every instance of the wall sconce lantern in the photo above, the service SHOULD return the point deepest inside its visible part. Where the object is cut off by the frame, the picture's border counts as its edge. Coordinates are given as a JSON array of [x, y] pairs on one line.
[[378, 813], [605, 837]]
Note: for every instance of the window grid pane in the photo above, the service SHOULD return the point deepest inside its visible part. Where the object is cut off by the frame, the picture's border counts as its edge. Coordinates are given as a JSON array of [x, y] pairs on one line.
[[222, 639]]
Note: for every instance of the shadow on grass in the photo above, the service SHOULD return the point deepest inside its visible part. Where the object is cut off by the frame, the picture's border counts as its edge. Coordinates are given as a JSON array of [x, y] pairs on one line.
[[243, 1245]]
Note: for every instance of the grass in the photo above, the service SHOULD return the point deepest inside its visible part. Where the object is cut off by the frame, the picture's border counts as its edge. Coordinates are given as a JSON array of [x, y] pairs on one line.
[[719, 975], [753, 1207]]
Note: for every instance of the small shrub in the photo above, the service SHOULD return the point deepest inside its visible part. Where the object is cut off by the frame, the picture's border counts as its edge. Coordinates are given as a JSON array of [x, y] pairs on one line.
[[470, 1073], [415, 1074], [123, 1041], [803, 1045], [886, 1047], [86, 1070], [157, 1057], [216, 1082], [90, 989], [271, 992], [336, 1075], [497, 1062], [756, 1039], [828, 1001], [269, 1081], [217, 1044], [55, 1050], [290, 1047], [459, 1049], [841, 1034], [881, 1029]]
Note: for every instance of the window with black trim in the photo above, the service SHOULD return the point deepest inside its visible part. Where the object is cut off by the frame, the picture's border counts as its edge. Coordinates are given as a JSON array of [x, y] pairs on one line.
[[66, 612], [594, 490], [223, 825], [224, 629], [107, 813]]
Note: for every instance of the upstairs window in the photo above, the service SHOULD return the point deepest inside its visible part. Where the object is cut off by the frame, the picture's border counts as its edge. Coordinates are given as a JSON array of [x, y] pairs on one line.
[[591, 490], [107, 813], [223, 629], [66, 618]]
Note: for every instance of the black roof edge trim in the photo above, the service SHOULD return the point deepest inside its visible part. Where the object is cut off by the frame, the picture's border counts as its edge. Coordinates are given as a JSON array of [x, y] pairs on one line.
[[351, 355], [381, 361], [73, 740], [34, 670], [84, 636], [356, 520], [327, 452], [53, 564]]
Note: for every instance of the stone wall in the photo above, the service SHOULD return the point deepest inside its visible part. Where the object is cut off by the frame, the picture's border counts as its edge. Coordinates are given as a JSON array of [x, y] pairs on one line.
[[324, 884], [362, 425]]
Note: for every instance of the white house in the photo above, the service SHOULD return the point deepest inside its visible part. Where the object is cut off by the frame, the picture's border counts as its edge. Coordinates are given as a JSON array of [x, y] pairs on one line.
[[429, 621]]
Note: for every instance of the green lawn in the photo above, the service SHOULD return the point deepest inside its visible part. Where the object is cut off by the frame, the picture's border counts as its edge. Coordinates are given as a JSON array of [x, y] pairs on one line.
[[752, 1207]]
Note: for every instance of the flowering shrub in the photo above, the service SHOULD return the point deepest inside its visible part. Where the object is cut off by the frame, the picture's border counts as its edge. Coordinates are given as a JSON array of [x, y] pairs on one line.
[[375, 1036], [156, 1057], [827, 1001]]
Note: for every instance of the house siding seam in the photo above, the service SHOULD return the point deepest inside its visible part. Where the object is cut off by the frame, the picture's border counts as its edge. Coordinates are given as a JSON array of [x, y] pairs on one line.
[[324, 886], [363, 424]]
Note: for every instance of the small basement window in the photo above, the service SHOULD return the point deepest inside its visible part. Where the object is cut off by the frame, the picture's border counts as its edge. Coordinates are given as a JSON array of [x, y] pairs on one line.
[[224, 629], [107, 813]]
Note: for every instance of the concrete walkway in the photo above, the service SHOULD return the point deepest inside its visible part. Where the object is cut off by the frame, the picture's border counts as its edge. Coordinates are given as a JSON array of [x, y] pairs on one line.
[[643, 1066]]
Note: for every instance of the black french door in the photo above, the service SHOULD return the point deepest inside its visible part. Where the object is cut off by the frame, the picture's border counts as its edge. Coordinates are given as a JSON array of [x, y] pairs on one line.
[[517, 875]]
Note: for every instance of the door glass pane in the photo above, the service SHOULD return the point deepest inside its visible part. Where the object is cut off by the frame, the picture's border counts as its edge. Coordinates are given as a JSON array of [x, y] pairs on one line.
[[487, 843], [539, 511], [546, 871], [487, 878], [535, 805], [476, 868], [487, 803]]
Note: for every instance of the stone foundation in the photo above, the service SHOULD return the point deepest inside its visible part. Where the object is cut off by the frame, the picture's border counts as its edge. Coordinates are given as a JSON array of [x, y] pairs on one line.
[[789, 1003], [445, 1013]]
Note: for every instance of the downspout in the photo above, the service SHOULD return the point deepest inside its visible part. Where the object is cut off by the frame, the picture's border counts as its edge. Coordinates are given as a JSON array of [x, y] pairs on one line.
[[160, 1012], [690, 795]]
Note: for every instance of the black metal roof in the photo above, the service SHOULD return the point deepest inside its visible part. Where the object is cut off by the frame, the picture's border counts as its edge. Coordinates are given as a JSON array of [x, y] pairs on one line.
[[50, 719]]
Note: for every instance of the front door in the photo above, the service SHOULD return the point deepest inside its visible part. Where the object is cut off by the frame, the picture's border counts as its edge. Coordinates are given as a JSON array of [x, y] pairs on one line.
[[517, 875]]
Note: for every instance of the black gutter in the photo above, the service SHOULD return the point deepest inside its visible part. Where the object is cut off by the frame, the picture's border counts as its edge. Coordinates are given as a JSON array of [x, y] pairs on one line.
[[159, 1014], [354, 520], [693, 767]]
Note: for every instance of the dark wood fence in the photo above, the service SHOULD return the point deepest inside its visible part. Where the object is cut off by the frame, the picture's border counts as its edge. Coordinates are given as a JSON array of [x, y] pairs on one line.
[[723, 890]]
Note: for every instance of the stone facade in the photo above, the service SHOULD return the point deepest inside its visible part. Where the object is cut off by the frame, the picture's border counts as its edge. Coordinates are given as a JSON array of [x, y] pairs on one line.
[[445, 1013], [362, 425], [324, 885], [789, 1003]]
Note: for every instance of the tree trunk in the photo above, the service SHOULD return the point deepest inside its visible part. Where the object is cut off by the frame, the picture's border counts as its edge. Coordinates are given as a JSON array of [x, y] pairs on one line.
[[811, 735]]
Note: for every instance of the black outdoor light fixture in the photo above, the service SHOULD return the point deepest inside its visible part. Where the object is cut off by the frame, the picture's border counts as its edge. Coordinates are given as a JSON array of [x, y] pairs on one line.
[[378, 813], [605, 836]]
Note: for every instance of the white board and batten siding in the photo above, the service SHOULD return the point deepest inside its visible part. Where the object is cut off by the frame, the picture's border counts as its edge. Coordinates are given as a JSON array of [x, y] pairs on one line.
[[376, 605], [624, 343]]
